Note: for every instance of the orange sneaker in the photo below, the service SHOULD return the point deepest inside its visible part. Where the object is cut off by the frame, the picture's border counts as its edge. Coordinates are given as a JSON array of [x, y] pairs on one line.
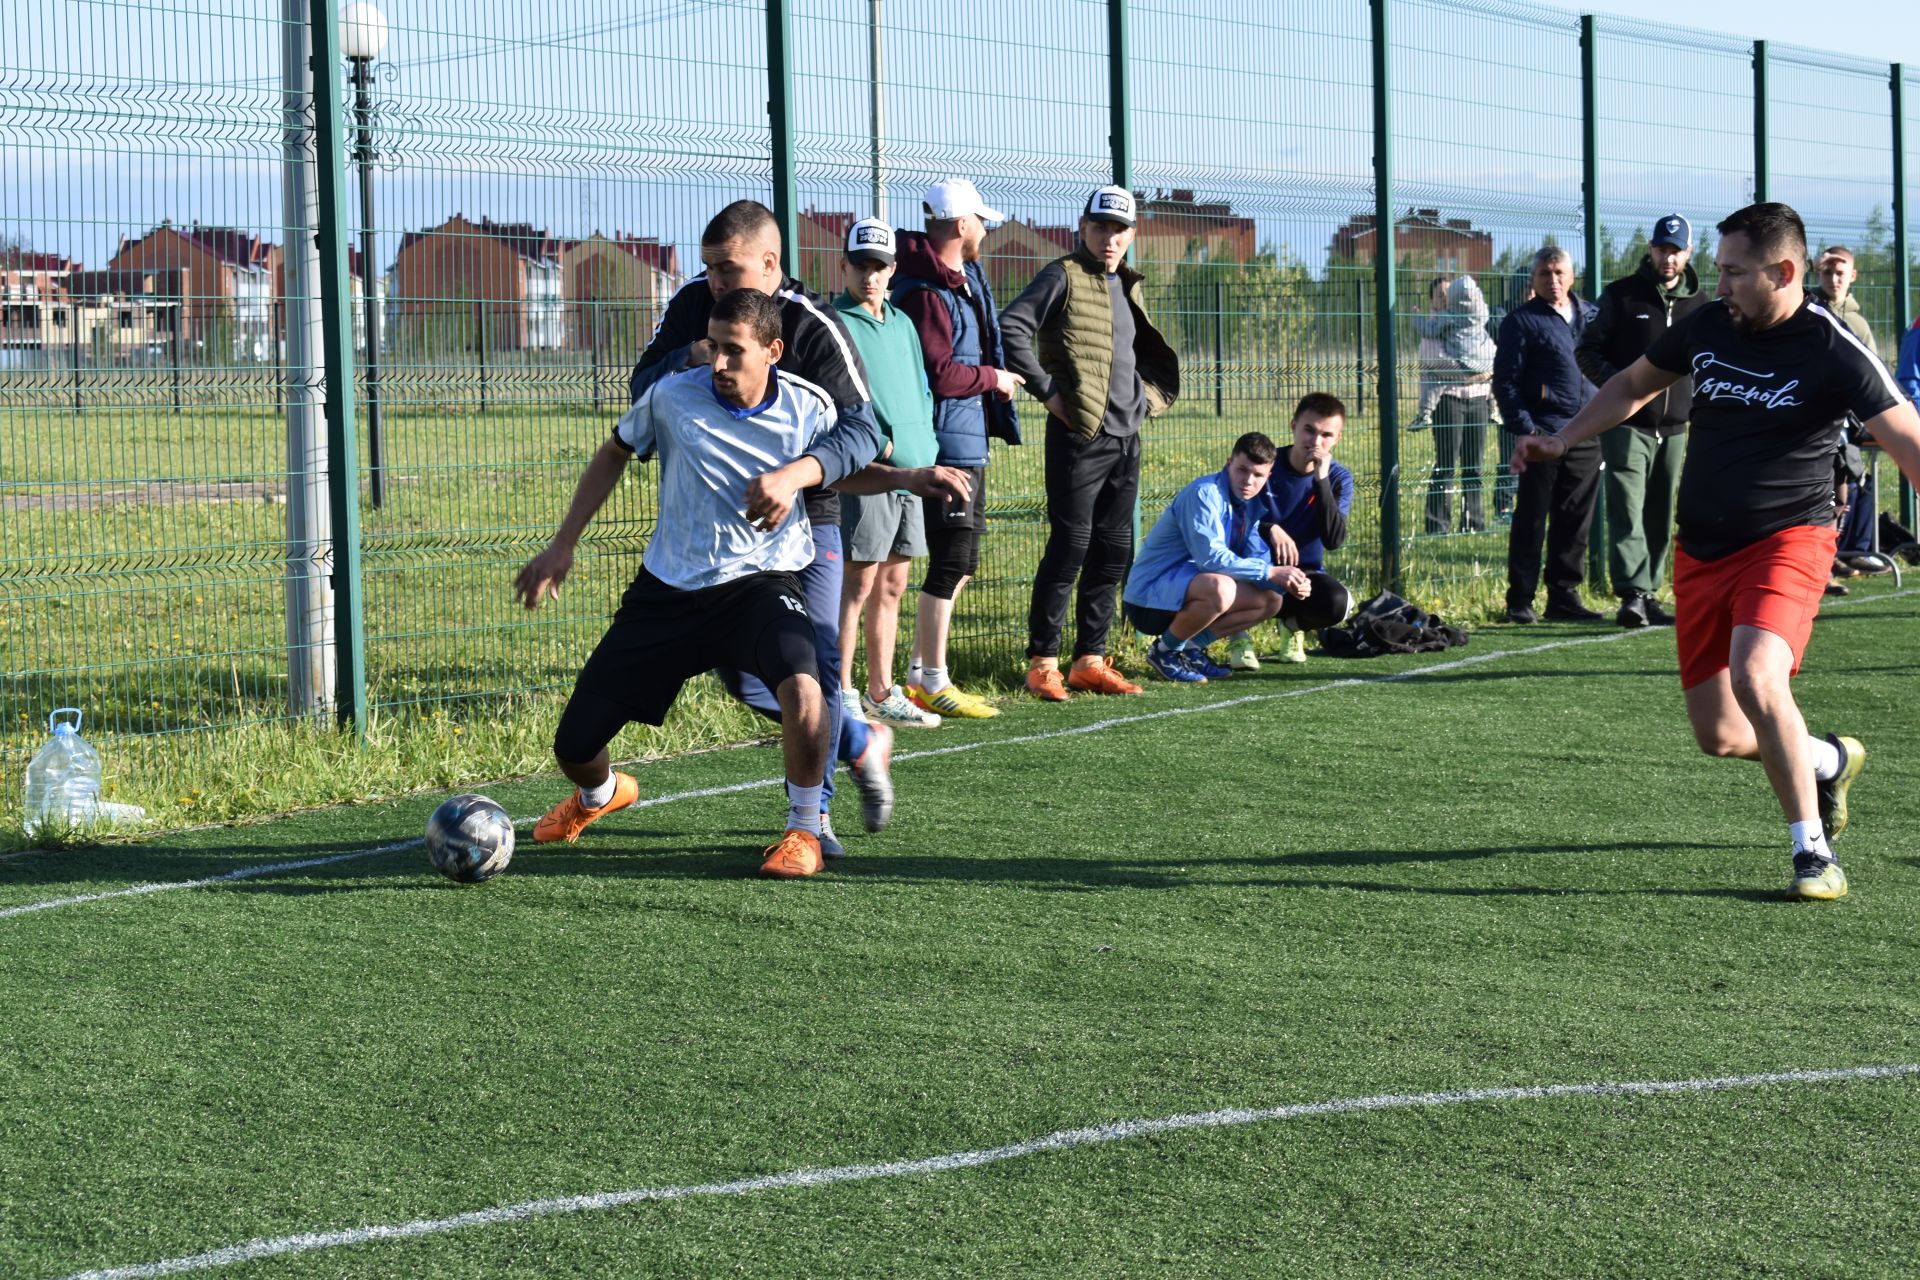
[[1047, 684], [796, 854], [1105, 678], [566, 820]]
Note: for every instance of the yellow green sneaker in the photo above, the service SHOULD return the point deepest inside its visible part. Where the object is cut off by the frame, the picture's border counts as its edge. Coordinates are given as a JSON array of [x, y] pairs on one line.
[[1816, 879], [1240, 654], [950, 701], [1833, 792], [1296, 650]]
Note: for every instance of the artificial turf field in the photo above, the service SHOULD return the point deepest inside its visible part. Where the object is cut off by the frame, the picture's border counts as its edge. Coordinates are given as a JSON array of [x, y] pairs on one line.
[[1513, 872]]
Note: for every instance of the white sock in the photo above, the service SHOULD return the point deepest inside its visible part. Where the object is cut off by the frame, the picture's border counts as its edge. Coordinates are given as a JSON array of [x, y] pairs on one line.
[[914, 670], [1826, 758], [1808, 837], [803, 808], [934, 679], [595, 797]]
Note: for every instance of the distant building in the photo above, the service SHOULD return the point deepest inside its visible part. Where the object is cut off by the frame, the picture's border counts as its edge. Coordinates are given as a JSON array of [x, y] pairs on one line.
[[465, 284], [615, 289], [821, 248], [1013, 253], [1176, 228], [1421, 237], [34, 285], [229, 280], [124, 313]]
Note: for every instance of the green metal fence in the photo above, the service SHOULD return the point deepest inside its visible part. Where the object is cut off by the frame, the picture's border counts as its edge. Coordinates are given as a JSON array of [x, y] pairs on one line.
[[309, 329]]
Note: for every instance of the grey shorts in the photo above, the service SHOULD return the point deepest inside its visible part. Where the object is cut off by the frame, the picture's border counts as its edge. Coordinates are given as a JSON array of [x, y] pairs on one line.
[[882, 526]]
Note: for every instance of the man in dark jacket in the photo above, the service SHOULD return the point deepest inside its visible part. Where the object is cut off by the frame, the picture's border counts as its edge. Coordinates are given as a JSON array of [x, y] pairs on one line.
[[940, 287], [1643, 465], [1080, 337], [1539, 386]]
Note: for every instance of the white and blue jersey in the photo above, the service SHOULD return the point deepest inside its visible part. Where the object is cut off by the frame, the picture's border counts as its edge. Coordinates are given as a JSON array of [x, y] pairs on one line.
[[709, 450], [1205, 529]]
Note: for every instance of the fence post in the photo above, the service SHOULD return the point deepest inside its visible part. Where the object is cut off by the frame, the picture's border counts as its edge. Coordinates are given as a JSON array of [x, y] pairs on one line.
[[1596, 270], [1359, 344], [1902, 253], [1385, 258], [175, 344], [1120, 136], [593, 319], [311, 661], [1219, 349], [480, 343], [1759, 121], [76, 356], [780, 122], [336, 314]]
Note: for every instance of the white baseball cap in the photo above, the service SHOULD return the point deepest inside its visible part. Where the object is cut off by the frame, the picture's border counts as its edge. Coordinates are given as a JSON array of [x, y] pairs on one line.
[[956, 198], [1112, 204], [870, 240]]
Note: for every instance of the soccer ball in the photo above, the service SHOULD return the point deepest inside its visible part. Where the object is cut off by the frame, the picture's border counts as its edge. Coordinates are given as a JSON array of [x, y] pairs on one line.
[[469, 839]]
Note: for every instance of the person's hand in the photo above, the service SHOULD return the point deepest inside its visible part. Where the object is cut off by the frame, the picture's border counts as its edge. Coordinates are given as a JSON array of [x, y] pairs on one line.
[[1285, 550], [1541, 448], [951, 483], [542, 576], [770, 497], [1291, 580], [700, 353], [1005, 383], [1057, 406]]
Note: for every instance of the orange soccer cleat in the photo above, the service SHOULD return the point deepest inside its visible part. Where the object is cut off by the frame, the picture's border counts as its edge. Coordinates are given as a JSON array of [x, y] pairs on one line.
[[566, 820], [1105, 678], [796, 854]]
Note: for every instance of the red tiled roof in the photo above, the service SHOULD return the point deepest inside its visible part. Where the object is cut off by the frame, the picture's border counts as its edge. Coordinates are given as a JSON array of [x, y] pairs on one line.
[[27, 260], [230, 245]]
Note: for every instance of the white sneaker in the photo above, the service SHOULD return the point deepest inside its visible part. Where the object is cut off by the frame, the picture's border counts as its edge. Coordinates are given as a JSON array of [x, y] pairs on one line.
[[894, 709], [850, 704]]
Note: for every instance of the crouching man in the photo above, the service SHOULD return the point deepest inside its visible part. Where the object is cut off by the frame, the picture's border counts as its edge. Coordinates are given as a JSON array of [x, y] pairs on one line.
[[717, 584], [1205, 570]]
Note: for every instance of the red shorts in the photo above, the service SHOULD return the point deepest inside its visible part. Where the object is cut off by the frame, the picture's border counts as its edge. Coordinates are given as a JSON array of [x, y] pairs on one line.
[[1776, 585]]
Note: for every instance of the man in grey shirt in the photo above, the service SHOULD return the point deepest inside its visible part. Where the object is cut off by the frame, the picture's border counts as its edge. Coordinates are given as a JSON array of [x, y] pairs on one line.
[[1080, 336]]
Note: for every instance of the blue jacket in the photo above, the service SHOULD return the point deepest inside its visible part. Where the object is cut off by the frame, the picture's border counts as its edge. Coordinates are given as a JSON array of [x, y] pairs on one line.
[[1907, 371], [1536, 378], [961, 424], [1205, 529]]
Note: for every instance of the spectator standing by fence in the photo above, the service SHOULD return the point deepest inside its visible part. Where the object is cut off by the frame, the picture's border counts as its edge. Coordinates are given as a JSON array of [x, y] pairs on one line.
[[1080, 336], [941, 288], [1539, 384], [1642, 476], [1838, 272], [1456, 382]]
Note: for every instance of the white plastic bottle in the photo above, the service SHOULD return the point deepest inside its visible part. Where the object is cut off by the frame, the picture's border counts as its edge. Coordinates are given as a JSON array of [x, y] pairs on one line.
[[63, 781]]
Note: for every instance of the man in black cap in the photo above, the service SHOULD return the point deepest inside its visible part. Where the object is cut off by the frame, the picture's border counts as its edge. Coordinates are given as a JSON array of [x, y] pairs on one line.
[[1642, 475], [1080, 336]]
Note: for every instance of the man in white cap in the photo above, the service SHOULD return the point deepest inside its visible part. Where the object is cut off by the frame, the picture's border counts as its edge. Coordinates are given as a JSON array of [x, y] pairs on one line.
[[1080, 337], [882, 532], [941, 288]]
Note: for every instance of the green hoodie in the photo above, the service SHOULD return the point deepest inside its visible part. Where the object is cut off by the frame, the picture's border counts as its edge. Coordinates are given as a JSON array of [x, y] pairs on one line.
[[889, 346]]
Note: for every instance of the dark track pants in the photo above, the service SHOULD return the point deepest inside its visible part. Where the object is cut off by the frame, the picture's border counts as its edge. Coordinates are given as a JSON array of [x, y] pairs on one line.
[[1553, 501], [1092, 486]]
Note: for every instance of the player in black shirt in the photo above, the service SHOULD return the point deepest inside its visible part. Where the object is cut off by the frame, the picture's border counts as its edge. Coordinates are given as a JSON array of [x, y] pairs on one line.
[[1773, 376]]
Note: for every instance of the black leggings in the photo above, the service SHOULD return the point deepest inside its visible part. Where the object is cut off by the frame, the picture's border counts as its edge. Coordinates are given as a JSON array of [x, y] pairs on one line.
[[1327, 605]]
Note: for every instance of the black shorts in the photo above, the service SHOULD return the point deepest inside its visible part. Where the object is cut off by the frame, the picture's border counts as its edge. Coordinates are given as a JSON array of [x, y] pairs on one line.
[[662, 637], [1148, 621]]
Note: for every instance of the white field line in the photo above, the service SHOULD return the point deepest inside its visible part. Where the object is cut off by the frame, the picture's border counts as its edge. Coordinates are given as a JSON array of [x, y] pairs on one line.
[[1060, 1140], [760, 784]]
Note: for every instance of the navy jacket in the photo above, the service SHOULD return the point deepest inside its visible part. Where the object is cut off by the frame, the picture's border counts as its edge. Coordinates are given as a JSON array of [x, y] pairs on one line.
[[960, 351], [1536, 377]]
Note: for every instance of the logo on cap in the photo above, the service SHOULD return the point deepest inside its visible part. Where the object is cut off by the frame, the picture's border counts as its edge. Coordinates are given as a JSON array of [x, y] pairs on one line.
[[1113, 202], [871, 235]]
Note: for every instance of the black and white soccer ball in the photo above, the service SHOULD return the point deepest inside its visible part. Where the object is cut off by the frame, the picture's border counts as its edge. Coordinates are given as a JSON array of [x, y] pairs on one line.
[[469, 839]]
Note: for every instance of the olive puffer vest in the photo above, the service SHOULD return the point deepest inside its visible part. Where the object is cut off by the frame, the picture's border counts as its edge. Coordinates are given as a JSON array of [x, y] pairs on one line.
[[1077, 348]]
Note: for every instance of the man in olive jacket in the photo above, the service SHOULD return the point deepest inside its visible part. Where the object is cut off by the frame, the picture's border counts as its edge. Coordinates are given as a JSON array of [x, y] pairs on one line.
[[1081, 338], [1642, 475]]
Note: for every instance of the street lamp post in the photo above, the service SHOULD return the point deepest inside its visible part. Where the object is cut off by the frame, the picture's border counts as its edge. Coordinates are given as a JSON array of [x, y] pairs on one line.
[[363, 34]]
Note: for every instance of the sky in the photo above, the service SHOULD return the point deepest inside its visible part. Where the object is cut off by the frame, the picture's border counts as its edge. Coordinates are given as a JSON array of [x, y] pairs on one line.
[[1883, 30], [643, 116]]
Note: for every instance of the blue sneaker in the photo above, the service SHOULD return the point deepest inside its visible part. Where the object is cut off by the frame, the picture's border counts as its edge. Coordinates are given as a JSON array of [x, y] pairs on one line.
[[1206, 666], [830, 846], [1173, 664]]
